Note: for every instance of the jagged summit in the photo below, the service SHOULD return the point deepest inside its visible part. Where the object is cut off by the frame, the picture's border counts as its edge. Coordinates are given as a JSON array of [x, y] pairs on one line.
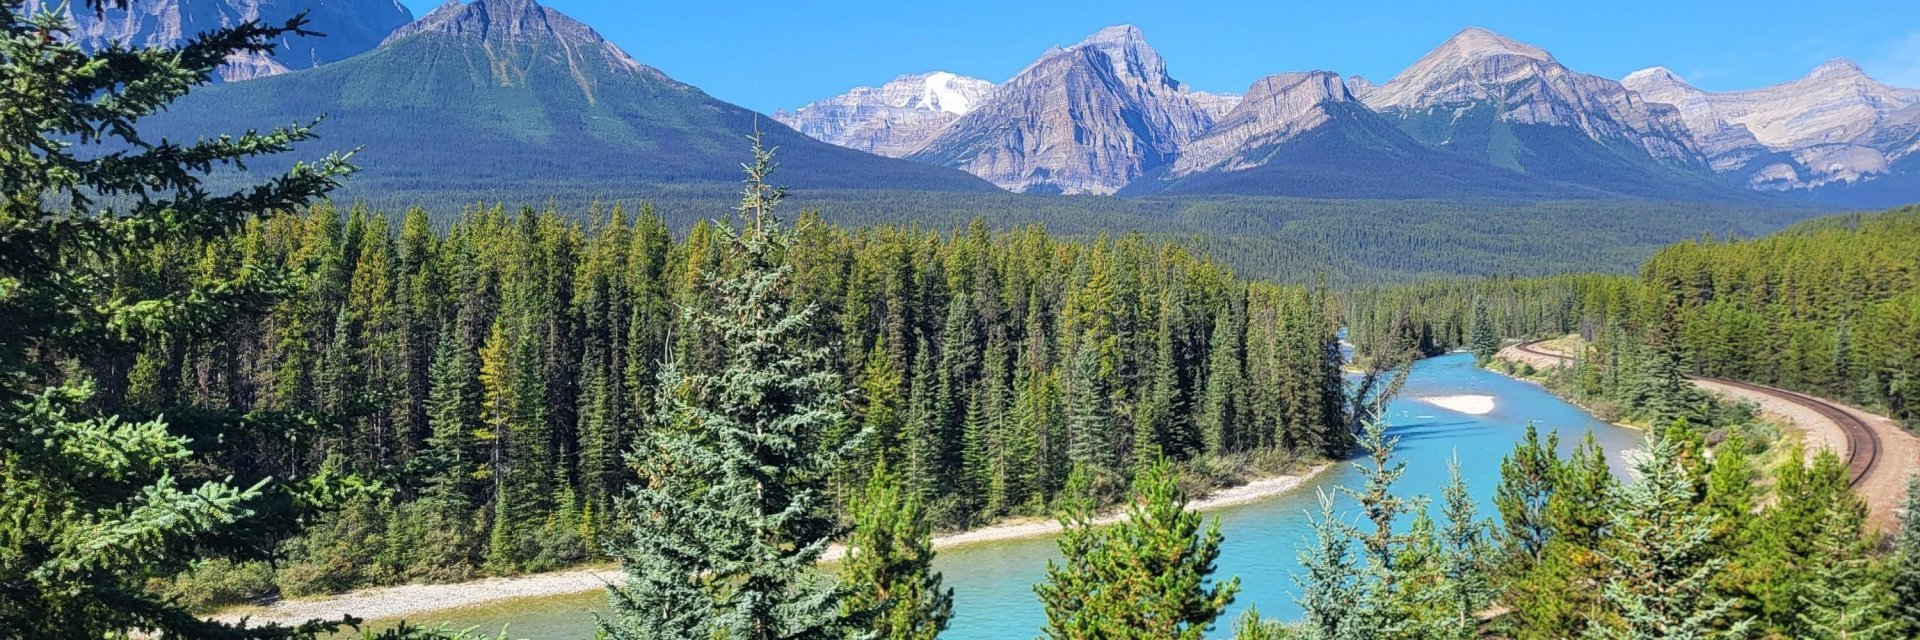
[[1653, 76], [505, 31], [1127, 46], [1085, 119], [1478, 41], [1837, 67], [894, 119], [500, 20]]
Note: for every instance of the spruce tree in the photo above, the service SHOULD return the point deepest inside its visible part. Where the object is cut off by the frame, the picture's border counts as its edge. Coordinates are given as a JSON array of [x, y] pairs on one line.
[[889, 567], [1382, 594], [1526, 487], [1844, 598], [1482, 338], [1217, 421], [1148, 577], [94, 500], [1089, 412], [1465, 587], [1660, 558], [733, 511], [1330, 585], [1905, 562]]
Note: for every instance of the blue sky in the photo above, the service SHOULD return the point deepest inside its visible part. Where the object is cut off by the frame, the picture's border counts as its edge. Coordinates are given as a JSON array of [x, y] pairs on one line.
[[767, 55]]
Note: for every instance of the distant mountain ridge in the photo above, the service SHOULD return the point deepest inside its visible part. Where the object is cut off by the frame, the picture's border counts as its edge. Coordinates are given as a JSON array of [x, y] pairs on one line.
[[1835, 127], [1103, 126]]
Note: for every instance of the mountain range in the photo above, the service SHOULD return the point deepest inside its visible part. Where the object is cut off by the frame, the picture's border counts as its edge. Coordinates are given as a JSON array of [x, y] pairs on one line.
[[1481, 114], [510, 99]]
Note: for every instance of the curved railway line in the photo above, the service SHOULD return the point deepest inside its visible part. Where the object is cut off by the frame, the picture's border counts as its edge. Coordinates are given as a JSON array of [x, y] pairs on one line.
[[1863, 444]]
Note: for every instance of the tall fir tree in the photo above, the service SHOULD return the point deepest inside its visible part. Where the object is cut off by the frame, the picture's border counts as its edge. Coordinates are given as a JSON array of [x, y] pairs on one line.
[[1845, 598], [1466, 582], [1218, 420], [1482, 338], [733, 511], [1331, 591], [1090, 416], [889, 567], [96, 496], [1526, 487]]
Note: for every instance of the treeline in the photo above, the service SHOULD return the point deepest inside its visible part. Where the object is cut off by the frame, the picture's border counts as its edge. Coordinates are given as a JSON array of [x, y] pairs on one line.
[[1830, 308], [498, 372], [1345, 243]]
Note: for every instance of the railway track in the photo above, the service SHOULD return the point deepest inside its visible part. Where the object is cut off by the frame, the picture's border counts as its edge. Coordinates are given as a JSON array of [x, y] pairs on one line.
[[1863, 444]]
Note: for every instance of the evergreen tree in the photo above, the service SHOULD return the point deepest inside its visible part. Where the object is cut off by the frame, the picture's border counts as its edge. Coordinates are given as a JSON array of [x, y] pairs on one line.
[[1147, 577], [1381, 546], [1554, 597], [1376, 497], [732, 515], [1526, 487], [1661, 560], [889, 567], [1465, 582], [1482, 338], [1733, 490], [454, 415], [1089, 412], [1845, 599], [94, 501], [1905, 563], [1330, 586], [1217, 420]]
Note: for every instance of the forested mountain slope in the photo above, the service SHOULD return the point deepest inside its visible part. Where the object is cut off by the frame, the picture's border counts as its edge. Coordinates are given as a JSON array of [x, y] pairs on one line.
[[508, 99]]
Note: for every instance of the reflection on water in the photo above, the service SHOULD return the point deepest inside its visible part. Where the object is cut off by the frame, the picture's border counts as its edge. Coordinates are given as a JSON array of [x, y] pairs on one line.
[[993, 583]]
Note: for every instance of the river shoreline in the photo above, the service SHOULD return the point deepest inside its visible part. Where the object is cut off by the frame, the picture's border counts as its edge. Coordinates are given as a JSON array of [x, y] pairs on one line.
[[407, 601]]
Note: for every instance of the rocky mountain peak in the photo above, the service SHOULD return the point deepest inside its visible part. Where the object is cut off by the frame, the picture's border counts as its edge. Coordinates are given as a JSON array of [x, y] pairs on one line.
[[1476, 42], [1085, 119], [1275, 109], [1360, 86], [1837, 67], [893, 119], [509, 20], [1655, 79], [1126, 46]]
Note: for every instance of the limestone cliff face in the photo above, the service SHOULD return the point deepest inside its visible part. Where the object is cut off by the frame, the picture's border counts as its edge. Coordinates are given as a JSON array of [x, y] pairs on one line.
[[1836, 125], [352, 27], [1085, 119], [894, 119], [1525, 85], [1276, 109]]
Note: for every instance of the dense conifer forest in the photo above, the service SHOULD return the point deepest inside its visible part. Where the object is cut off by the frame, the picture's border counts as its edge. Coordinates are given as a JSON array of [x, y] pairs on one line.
[[1830, 307], [1293, 240], [495, 373]]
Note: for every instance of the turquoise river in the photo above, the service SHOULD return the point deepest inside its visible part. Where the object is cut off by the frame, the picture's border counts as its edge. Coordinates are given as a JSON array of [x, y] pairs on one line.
[[993, 582]]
